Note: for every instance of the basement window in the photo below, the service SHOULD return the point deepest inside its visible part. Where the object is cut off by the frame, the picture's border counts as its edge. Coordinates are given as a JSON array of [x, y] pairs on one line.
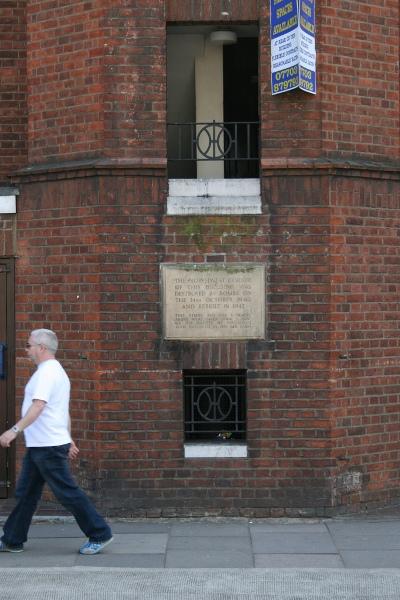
[[215, 413]]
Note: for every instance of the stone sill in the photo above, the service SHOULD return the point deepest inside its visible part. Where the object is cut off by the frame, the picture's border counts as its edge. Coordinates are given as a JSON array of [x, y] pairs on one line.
[[214, 197], [8, 201], [215, 450]]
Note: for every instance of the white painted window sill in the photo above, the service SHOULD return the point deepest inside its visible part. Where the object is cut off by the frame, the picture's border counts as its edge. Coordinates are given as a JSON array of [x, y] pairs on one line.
[[215, 450], [8, 201], [214, 197]]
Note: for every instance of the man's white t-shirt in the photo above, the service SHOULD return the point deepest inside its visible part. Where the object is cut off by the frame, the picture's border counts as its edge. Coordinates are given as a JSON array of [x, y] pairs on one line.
[[51, 384]]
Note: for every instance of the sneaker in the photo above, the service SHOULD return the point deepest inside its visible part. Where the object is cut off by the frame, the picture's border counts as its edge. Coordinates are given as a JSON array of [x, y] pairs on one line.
[[5, 548], [94, 547]]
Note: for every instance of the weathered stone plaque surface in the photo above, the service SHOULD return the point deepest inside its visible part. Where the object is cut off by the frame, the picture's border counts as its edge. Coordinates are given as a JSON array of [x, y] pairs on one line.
[[213, 302]]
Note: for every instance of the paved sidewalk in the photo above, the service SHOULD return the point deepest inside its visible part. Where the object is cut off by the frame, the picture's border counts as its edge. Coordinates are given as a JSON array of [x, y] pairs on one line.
[[216, 559], [346, 543]]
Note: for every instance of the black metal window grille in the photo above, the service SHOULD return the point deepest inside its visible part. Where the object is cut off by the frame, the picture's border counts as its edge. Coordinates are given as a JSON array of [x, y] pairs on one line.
[[215, 406], [214, 141], [236, 143]]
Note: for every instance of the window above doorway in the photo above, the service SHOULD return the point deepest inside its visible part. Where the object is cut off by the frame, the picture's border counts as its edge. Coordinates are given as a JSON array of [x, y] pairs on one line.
[[213, 120], [212, 102]]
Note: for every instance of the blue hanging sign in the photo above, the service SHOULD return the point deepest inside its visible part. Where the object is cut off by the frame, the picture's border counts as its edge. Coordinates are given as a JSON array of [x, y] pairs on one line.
[[307, 54], [284, 46], [292, 45]]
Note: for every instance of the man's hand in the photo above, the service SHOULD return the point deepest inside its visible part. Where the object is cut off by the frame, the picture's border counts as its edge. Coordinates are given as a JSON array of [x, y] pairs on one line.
[[7, 437], [73, 450]]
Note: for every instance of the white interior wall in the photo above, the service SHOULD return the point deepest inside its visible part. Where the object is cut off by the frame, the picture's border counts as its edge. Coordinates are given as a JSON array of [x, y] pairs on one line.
[[182, 50], [195, 87], [210, 100]]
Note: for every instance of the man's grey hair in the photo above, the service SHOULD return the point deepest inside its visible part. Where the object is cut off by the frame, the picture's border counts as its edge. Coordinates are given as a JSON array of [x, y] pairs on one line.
[[47, 338]]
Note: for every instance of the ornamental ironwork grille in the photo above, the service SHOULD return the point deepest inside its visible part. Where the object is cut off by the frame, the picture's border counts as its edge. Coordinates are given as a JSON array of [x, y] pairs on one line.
[[215, 406], [234, 143]]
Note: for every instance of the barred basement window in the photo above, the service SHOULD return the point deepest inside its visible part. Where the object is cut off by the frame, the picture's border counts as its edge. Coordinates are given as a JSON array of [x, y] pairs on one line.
[[215, 405]]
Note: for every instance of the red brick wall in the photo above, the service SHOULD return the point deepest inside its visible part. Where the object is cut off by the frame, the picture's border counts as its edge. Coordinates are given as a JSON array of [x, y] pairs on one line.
[[96, 73], [57, 286], [65, 75], [300, 324], [88, 267], [13, 144], [365, 337], [127, 392], [323, 400], [135, 80], [358, 45], [209, 10]]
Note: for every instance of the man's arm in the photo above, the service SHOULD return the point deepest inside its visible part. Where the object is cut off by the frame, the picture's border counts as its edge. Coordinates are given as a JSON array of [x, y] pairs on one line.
[[74, 450], [32, 414]]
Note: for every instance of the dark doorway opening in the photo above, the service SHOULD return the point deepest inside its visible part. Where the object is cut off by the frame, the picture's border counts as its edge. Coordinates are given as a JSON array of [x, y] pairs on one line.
[[241, 103], [7, 352]]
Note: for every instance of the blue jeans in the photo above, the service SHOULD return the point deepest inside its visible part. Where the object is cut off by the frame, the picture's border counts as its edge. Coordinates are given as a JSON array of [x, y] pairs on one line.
[[50, 465]]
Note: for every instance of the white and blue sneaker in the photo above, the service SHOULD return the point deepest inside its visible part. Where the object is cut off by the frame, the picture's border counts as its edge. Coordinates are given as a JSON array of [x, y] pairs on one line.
[[94, 547]]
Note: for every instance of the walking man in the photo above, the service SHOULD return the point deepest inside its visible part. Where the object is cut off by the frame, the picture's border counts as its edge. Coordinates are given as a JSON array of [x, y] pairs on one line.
[[47, 429]]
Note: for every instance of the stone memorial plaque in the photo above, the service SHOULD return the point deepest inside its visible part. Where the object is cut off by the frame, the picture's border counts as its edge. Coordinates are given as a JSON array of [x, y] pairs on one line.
[[213, 302]]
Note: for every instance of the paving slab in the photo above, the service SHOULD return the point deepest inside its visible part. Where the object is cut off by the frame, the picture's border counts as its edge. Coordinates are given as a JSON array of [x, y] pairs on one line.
[[140, 527], [299, 561], [208, 559], [288, 527], [210, 529], [51, 530], [368, 559], [223, 544], [44, 553], [363, 528], [210, 551], [345, 541], [138, 543], [292, 543]]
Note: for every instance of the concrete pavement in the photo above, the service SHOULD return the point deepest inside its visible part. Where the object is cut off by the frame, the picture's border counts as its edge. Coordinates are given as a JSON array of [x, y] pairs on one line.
[[365, 543], [340, 558]]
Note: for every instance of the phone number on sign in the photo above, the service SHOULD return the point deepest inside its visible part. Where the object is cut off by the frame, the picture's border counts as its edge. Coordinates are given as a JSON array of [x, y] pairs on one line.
[[304, 75], [288, 84], [286, 79]]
